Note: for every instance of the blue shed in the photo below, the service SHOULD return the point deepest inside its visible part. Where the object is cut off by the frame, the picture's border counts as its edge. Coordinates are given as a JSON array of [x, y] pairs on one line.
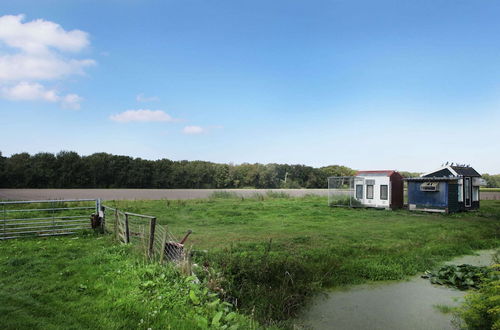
[[448, 189], [433, 194]]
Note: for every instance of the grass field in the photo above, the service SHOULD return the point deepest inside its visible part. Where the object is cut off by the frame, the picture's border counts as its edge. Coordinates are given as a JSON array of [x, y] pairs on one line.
[[315, 246], [491, 189], [90, 282], [268, 255]]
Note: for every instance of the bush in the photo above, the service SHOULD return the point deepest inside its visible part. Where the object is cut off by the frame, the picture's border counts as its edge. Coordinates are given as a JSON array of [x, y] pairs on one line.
[[481, 308]]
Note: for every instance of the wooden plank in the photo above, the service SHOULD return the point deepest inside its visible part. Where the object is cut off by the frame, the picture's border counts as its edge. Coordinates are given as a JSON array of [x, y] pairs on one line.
[[127, 232], [116, 224], [152, 227], [163, 242]]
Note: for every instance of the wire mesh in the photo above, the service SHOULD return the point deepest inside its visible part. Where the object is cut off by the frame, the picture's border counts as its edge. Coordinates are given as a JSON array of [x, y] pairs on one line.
[[136, 229], [344, 191]]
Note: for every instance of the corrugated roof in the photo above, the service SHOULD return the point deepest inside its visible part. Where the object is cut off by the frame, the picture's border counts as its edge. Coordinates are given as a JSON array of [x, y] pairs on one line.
[[434, 178], [465, 171], [382, 172]]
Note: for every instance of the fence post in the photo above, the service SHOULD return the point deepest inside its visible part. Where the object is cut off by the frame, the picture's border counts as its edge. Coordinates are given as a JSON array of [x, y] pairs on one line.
[[116, 224], [163, 243], [152, 227], [127, 232], [97, 205], [4, 218], [103, 222]]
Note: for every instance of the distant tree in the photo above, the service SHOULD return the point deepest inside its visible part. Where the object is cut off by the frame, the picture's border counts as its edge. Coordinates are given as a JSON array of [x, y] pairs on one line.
[[67, 169], [3, 178], [18, 170], [337, 170], [71, 171], [406, 174], [43, 170], [492, 181]]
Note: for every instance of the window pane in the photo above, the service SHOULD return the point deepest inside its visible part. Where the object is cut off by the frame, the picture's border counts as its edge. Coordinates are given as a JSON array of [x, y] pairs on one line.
[[359, 191], [369, 191], [475, 193], [384, 191]]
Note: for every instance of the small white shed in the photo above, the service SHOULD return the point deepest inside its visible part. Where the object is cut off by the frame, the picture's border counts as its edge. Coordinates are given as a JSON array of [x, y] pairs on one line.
[[381, 189]]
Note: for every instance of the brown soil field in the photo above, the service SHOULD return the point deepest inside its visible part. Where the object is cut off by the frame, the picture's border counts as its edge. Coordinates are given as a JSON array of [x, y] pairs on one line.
[[141, 194], [152, 194]]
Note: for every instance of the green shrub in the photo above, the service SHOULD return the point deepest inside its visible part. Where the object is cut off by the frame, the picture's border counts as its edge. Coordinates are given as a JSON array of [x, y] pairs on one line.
[[481, 309]]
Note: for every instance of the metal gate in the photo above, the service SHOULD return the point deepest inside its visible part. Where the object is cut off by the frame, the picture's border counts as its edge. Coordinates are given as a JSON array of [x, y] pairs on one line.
[[45, 217]]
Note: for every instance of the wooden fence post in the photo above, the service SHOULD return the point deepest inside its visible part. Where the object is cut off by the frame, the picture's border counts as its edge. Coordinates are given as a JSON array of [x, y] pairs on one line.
[[103, 223], [116, 224], [163, 243], [152, 227], [127, 232]]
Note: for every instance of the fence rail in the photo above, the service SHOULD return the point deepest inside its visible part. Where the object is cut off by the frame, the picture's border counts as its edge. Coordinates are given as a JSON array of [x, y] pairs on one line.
[[45, 217], [155, 240]]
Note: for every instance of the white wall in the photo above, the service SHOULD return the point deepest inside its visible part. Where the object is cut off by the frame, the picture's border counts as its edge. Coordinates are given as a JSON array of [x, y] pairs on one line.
[[376, 201]]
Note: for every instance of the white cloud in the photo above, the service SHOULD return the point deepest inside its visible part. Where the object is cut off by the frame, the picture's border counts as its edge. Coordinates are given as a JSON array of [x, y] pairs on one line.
[[35, 52], [39, 35], [142, 115], [39, 67], [30, 92], [194, 130], [26, 91], [142, 98], [71, 101]]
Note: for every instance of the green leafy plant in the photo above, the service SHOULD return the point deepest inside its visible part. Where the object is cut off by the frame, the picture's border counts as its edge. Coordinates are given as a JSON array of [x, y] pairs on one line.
[[462, 277], [481, 308]]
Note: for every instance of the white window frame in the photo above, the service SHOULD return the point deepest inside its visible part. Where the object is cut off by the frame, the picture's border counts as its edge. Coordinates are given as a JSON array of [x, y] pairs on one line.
[[386, 192], [467, 191], [373, 191]]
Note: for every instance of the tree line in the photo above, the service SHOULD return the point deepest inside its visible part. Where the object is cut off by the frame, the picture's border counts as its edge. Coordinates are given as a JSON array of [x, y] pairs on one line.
[[67, 169]]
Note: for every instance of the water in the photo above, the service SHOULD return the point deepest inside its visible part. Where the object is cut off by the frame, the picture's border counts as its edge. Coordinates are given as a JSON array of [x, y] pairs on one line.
[[393, 305]]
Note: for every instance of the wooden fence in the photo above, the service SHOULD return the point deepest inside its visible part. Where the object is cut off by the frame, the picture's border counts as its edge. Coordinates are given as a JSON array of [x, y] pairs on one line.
[[143, 231]]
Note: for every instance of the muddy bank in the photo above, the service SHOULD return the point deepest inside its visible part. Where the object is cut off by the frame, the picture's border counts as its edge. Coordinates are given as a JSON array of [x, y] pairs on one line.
[[393, 305]]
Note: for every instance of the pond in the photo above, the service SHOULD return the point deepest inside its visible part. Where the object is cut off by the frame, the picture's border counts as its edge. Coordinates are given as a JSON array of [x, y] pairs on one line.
[[390, 305]]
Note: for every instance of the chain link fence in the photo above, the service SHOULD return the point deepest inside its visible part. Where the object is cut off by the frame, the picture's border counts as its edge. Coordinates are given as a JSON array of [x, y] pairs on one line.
[[342, 191]]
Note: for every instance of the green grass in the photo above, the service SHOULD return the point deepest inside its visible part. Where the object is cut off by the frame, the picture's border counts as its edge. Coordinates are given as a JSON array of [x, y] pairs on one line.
[[267, 255], [490, 189], [314, 246], [445, 309], [90, 282]]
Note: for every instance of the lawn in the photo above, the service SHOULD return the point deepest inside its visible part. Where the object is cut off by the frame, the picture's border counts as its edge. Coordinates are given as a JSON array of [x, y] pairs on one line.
[[266, 255]]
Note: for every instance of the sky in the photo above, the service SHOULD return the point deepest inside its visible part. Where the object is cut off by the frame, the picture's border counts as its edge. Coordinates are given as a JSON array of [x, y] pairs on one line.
[[405, 85]]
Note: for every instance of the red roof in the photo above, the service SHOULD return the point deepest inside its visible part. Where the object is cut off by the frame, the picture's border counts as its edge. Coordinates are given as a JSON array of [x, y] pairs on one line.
[[386, 172]]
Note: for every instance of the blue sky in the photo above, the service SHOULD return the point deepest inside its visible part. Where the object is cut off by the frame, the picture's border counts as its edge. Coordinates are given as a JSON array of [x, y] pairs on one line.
[[402, 85]]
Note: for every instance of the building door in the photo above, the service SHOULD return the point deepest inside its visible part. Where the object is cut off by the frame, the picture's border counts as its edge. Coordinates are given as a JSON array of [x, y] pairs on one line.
[[467, 192]]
